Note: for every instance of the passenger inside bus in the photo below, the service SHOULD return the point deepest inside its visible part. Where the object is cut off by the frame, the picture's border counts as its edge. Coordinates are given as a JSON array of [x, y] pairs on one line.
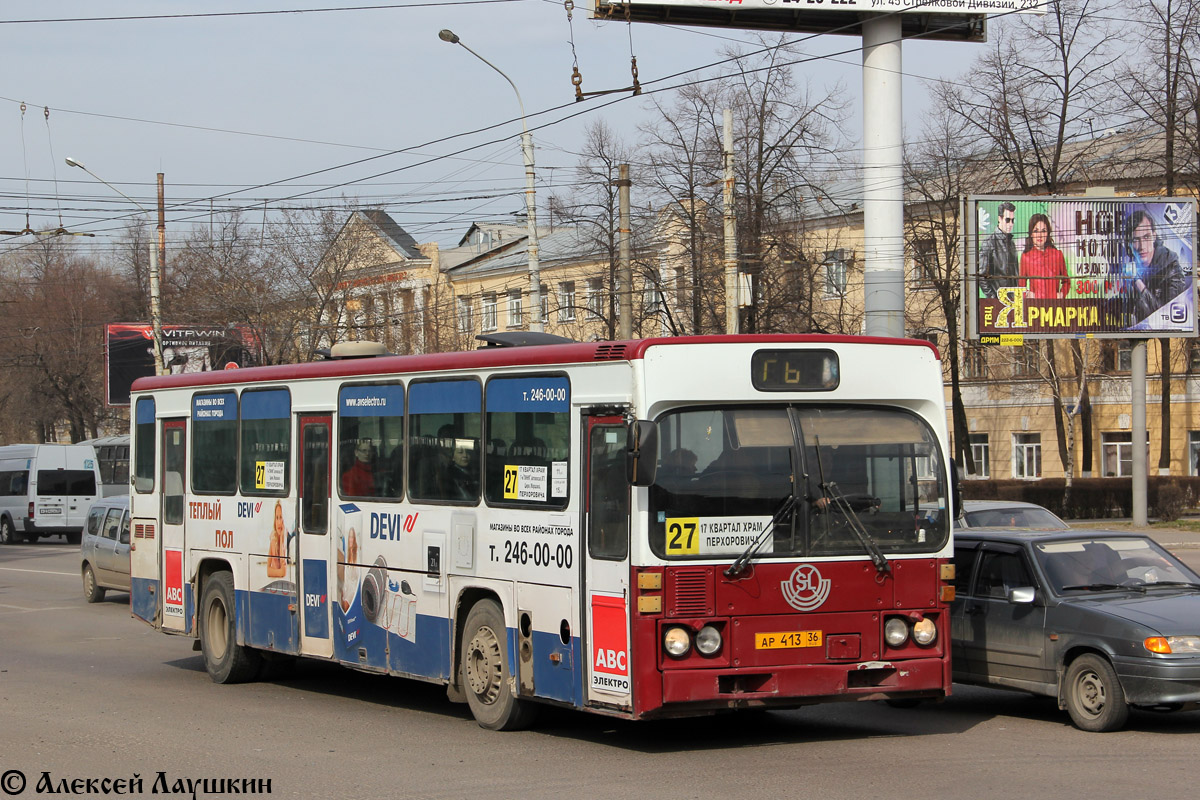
[[359, 479], [461, 471]]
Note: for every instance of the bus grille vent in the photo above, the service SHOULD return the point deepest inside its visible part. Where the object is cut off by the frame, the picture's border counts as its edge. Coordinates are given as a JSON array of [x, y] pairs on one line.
[[690, 592], [141, 531], [610, 352]]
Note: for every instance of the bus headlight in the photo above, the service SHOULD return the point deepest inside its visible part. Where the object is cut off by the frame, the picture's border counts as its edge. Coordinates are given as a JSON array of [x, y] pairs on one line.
[[708, 640], [924, 632], [895, 631], [677, 641]]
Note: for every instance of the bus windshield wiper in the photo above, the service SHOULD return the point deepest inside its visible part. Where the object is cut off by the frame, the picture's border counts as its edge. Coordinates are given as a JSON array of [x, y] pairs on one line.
[[835, 499], [846, 505], [735, 570]]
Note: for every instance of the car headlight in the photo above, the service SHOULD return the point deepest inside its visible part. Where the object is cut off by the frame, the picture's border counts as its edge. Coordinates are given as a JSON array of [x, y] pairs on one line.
[[895, 631], [924, 632], [1173, 644], [677, 641], [708, 640]]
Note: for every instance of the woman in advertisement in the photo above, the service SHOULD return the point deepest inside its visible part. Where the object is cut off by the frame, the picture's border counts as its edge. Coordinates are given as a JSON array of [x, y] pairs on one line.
[[1043, 270], [276, 552]]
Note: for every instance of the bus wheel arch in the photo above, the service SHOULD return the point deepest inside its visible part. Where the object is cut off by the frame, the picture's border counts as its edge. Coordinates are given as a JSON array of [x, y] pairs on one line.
[[482, 665], [225, 660]]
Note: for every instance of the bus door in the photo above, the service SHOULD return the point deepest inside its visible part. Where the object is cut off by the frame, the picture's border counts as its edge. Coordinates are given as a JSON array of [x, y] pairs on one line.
[[174, 477], [313, 548], [145, 590], [606, 563]]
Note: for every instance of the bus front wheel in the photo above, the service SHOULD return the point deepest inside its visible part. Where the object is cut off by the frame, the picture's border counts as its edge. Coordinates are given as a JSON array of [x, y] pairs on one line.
[[484, 674], [225, 660]]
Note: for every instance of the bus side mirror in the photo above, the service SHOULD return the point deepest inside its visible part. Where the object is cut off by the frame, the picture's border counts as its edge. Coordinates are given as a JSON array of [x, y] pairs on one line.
[[641, 454]]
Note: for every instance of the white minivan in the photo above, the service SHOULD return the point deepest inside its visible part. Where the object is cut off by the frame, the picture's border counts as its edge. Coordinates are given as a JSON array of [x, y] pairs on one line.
[[46, 490]]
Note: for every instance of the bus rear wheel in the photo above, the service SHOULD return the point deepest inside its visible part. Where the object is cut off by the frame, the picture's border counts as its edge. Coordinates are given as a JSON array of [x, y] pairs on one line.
[[225, 660], [484, 674]]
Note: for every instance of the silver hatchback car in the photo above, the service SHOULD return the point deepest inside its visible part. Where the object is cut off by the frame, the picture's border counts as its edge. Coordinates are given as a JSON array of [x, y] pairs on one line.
[[104, 554]]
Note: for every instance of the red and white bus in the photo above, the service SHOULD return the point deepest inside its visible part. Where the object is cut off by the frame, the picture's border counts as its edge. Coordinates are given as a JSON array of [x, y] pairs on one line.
[[650, 528]]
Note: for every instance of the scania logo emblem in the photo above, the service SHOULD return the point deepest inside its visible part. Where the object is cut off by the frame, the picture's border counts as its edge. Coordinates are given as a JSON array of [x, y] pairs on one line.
[[805, 590]]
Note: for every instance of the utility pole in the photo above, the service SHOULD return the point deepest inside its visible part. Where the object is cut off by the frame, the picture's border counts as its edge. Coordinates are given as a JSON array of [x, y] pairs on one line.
[[731, 260], [624, 265]]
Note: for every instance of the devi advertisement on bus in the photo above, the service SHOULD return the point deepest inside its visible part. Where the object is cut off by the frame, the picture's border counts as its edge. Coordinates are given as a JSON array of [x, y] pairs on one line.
[[1048, 267]]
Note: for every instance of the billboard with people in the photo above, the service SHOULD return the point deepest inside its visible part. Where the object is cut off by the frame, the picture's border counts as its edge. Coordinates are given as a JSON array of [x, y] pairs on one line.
[[1046, 267]]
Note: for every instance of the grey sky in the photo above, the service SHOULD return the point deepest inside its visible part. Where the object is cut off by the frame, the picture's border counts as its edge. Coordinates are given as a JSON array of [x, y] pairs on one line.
[[130, 98]]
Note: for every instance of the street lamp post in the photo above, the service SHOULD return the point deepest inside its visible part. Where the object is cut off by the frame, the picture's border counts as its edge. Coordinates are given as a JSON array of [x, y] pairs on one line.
[[155, 307], [535, 286]]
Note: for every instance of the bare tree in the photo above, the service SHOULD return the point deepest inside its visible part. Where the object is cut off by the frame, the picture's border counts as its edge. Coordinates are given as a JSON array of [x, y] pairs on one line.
[[58, 303], [1156, 89], [683, 155], [784, 138], [1033, 99], [594, 208], [938, 175]]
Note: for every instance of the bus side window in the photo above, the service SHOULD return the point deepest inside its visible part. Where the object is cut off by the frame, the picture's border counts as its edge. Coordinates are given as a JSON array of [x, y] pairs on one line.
[[173, 499]]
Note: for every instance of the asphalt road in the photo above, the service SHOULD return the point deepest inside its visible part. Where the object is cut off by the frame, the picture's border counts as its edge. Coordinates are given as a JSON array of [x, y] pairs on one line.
[[86, 692]]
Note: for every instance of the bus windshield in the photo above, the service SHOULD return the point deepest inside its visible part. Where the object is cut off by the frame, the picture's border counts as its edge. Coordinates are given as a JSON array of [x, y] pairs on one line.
[[723, 472]]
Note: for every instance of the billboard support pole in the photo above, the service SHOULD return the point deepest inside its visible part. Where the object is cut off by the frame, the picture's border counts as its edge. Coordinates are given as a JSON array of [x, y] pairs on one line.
[[883, 176], [1137, 379]]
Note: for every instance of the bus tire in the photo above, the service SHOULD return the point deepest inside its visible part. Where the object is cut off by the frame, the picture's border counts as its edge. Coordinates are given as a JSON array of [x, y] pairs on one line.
[[484, 674], [225, 660], [92, 592], [7, 535]]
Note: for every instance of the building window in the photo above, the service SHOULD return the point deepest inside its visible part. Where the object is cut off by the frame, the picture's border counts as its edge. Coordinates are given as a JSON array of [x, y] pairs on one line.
[[1193, 453], [974, 361], [514, 308], [544, 303], [652, 299], [595, 295], [1117, 453], [925, 261], [835, 272], [1117, 449], [1025, 360], [1194, 356], [1117, 355], [489, 312], [981, 454], [464, 315], [566, 301], [1027, 455]]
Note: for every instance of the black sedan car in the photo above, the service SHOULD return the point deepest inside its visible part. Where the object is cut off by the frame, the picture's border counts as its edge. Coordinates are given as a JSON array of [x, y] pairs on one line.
[[1100, 620]]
